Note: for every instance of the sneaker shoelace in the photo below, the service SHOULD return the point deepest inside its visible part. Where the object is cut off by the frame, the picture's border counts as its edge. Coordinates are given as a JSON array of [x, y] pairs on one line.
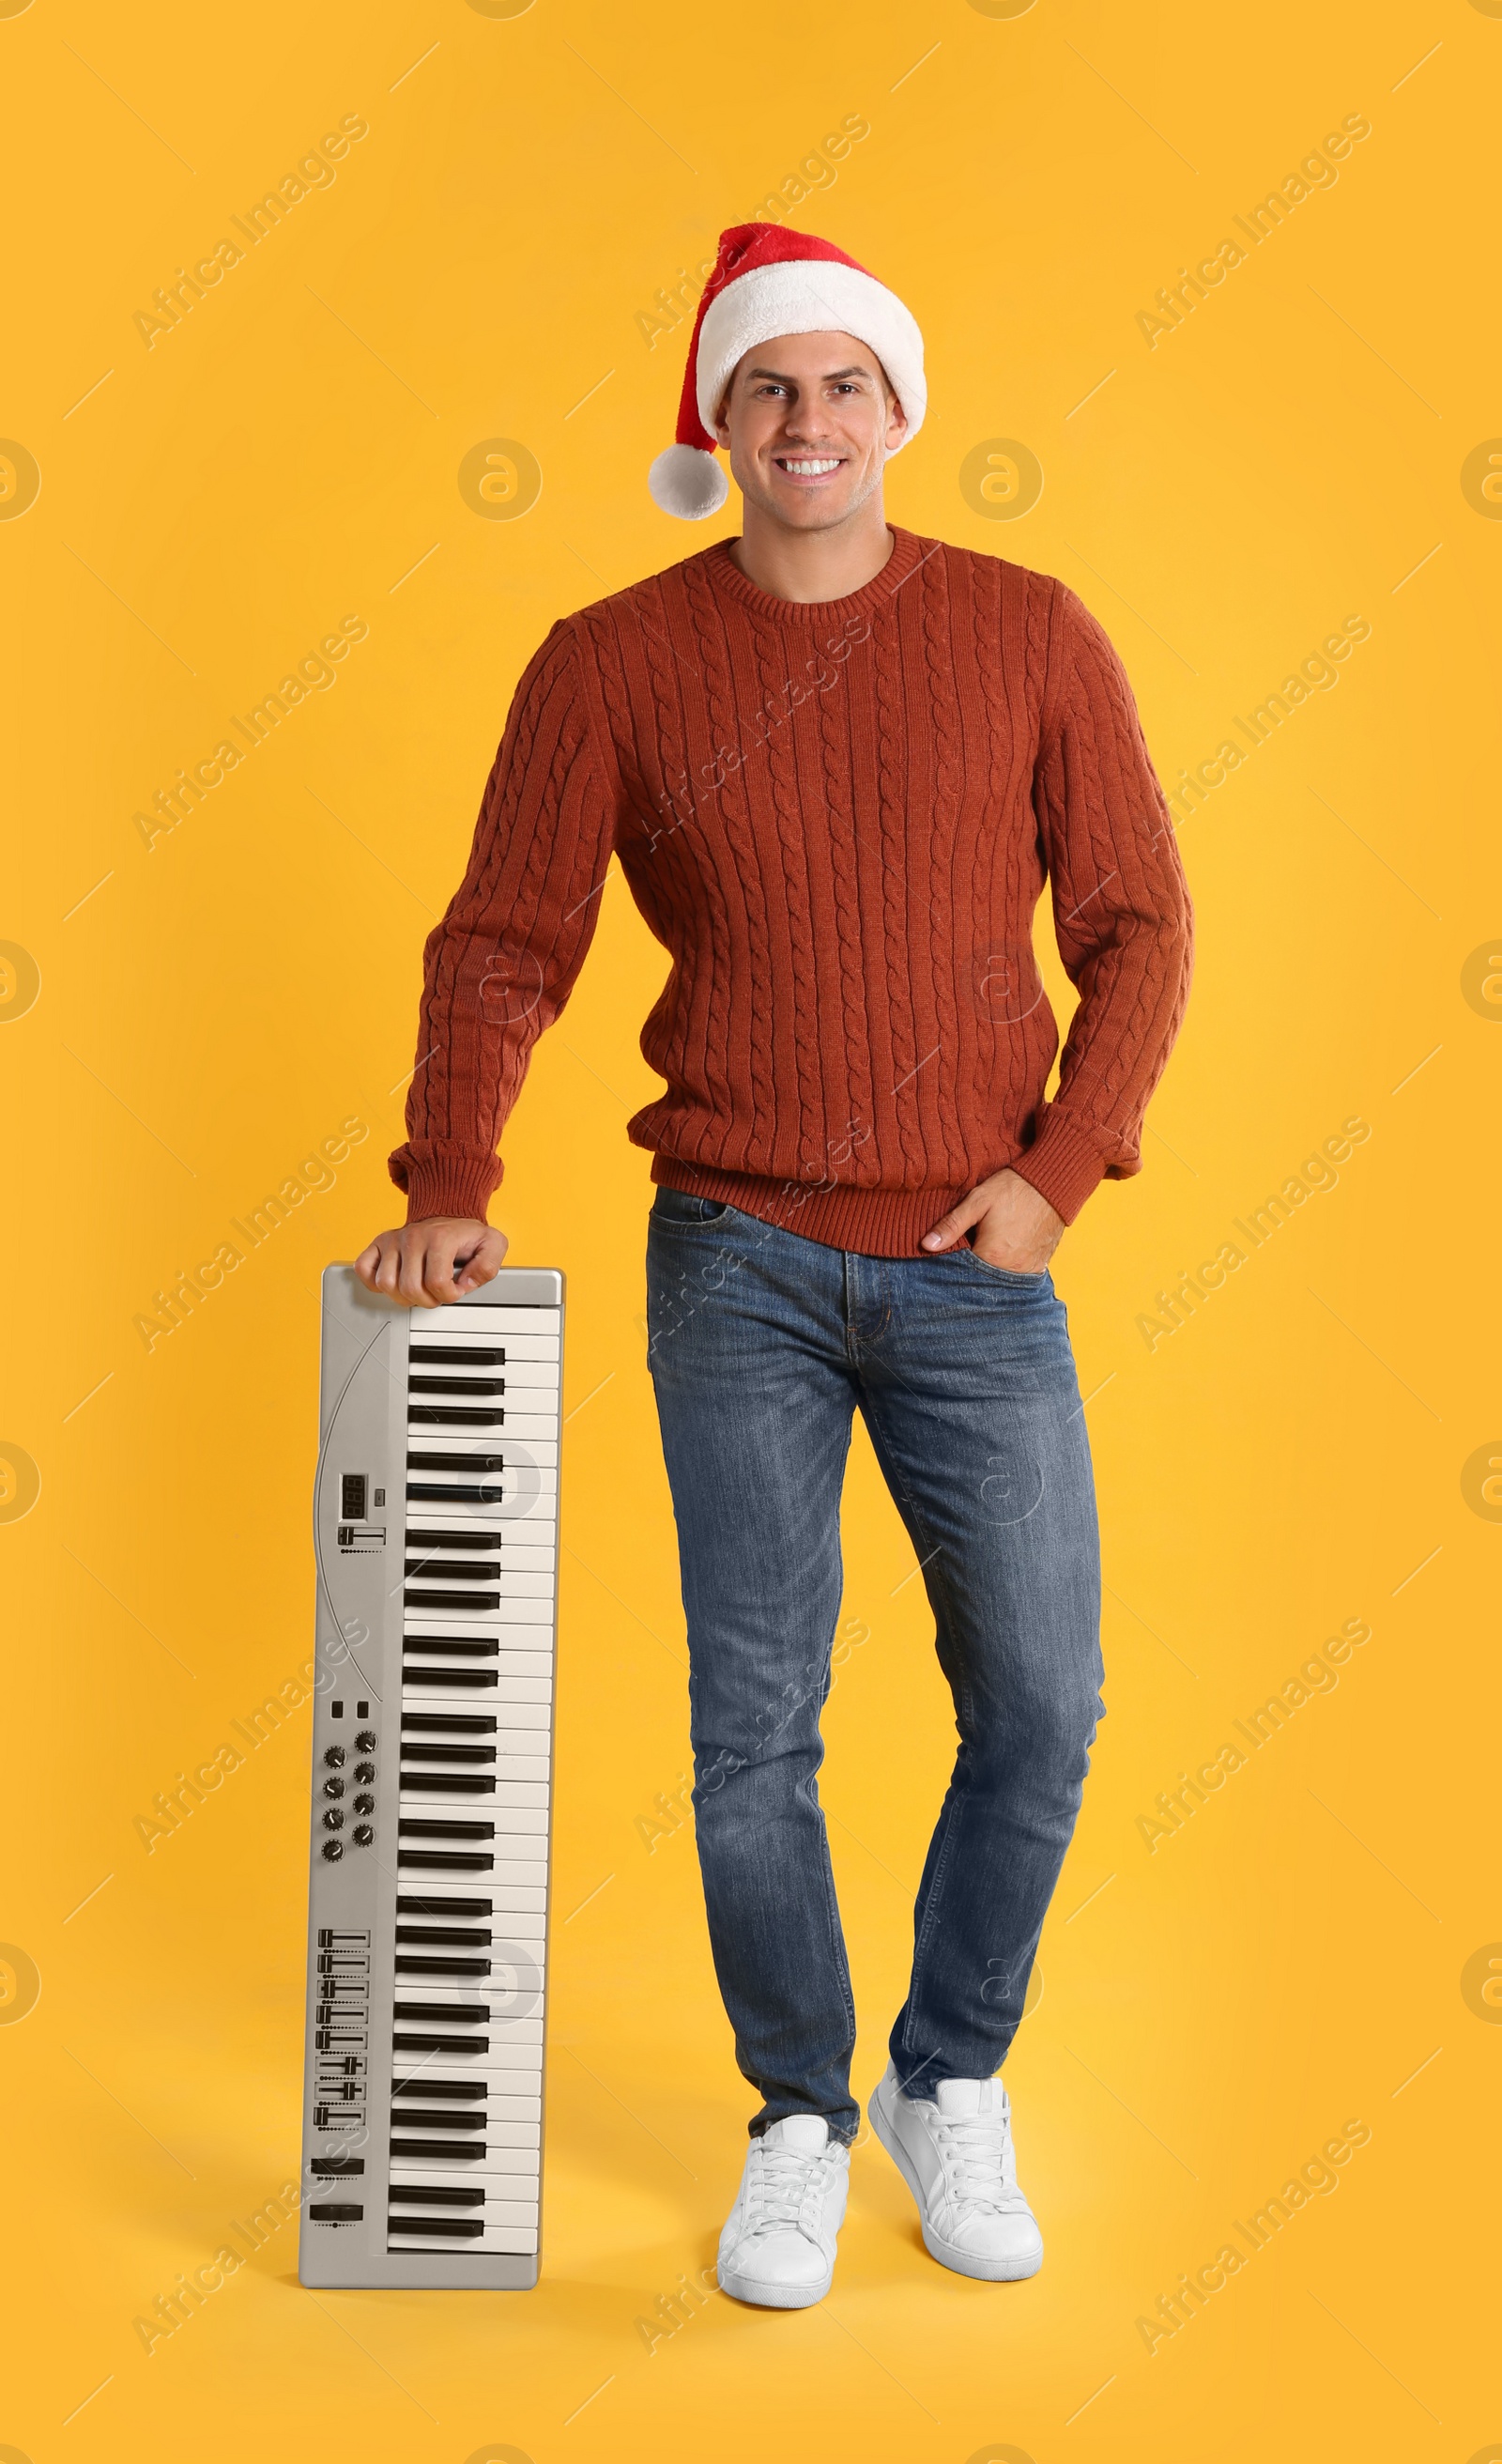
[[979, 2162], [780, 2186]]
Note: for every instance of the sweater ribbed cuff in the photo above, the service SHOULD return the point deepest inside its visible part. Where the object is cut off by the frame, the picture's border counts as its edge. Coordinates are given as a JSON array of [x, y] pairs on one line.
[[442, 1179], [1062, 1164]]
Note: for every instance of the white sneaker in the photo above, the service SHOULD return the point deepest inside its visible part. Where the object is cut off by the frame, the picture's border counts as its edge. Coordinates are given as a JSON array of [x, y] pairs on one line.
[[955, 2156], [777, 2248]]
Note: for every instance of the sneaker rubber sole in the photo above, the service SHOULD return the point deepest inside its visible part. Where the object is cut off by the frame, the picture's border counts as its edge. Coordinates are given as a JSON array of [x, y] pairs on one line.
[[772, 2296], [964, 2262]]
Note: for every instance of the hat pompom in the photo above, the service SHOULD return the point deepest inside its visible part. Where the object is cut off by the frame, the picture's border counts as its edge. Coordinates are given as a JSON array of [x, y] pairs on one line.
[[689, 482]]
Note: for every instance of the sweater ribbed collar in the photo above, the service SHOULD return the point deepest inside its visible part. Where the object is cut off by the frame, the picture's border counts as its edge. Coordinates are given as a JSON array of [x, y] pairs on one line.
[[809, 615]]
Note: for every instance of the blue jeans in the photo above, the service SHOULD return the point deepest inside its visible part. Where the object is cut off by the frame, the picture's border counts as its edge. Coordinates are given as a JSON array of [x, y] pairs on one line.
[[762, 1346]]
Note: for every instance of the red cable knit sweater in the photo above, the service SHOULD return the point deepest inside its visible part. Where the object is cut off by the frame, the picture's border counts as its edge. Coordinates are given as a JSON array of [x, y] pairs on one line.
[[838, 820]]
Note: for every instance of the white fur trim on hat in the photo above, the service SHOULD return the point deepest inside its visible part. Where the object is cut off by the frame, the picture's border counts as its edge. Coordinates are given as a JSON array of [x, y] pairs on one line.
[[689, 482], [810, 296]]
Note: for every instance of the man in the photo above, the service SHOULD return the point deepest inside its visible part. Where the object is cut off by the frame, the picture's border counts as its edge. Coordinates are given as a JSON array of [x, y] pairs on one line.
[[836, 764]]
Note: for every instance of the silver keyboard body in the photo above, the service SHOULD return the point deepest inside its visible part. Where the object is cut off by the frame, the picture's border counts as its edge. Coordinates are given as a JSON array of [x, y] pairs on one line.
[[435, 1523]]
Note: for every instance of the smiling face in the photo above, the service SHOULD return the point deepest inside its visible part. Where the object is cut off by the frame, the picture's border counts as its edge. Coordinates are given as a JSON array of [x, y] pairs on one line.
[[808, 421]]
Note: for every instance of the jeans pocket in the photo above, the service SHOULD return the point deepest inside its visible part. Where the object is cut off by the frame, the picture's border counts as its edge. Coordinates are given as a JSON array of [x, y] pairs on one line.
[[1005, 1274], [678, 1210]]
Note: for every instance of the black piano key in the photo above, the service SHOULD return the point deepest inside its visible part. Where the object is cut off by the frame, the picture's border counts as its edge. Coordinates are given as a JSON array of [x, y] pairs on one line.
[[448, 1754], [432, 1492], [453, 1357], [445, 1385], [406, 2042], [444, 1861], [442, 1967], [452, 1415], [411, 1828], [449, 2228], [447, 2014], [464, 1937], [459, 1539], [451, 1723], [460, 2091], [451, 1599], [414, 1675], [456, 1463], [421, 2118], [411, 1906], [422, 2151], [453, 1569], [413, 2195], [465, 1646]]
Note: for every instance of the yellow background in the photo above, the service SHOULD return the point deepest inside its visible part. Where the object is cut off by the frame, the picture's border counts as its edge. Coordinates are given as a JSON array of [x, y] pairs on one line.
[[209, 1010]]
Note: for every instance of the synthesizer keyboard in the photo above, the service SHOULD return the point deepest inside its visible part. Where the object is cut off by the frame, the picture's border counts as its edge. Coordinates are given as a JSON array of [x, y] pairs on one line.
[[435, 1521]]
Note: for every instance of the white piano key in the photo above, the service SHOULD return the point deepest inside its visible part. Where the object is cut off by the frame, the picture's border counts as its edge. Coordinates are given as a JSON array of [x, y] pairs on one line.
[[528, 1546], [496, 1940], [489, 1525], [530, 1608], [511, 1997], [440, 1566], [514, 1690], [425, 1683], [492, 1317], [524, 1624], [520, 1651], [520, 1929], [508, 1796], [527, 1496], [504, 2173], [509, 2183], [487, 2115], [505, 1869], [497, 2241], [503, 2054], [515, 2142], [498, 2036], [521, 1727], [505, 2099], [418, 1797], [537, 1431], [507, 1902], [523, 1906], [418, 1757], [532, 1359], [500, 1741], [531, 1458], [509, 2196]]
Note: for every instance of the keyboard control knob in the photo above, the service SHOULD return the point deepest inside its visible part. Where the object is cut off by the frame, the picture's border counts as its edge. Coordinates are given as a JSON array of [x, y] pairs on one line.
[[333, 1848], [333, 1820], [364, 1773], [363, 1834], [334, 1788], [334, 1757], [366, 1742], [364, 1805]]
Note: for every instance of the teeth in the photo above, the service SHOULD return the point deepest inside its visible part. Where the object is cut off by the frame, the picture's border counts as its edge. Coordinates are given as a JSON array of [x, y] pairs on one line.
[[811, 470]]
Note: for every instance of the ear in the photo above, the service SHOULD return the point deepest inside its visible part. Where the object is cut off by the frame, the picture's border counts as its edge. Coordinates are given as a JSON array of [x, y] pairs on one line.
[[721, 423], [896, 422]]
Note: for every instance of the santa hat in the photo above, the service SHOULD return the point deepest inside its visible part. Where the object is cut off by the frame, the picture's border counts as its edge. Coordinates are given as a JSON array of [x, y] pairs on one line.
[[769, 280]]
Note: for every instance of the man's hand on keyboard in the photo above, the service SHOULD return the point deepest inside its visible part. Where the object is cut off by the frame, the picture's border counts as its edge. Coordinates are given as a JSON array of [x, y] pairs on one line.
[[426, 1263]]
